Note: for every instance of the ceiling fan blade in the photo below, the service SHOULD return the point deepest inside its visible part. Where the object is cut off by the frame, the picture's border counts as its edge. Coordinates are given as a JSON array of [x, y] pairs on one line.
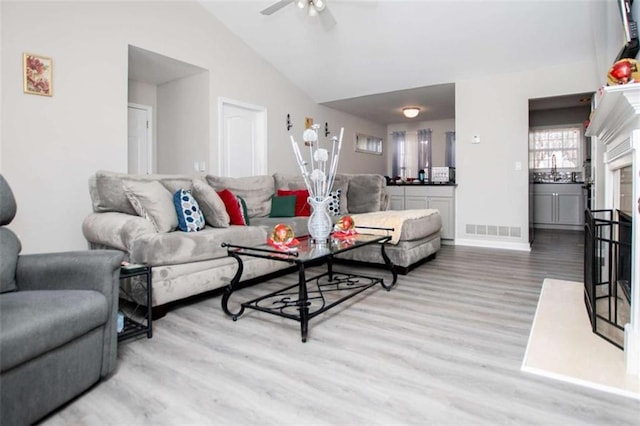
[[275, 7], [327, 19]]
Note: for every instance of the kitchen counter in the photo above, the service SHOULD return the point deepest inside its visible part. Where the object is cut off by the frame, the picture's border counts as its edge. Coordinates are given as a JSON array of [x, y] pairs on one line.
[[558, 183], [422, 184]]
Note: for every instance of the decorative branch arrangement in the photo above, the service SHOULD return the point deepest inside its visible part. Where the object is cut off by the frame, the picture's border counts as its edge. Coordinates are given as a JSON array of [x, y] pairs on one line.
[[323, 165]]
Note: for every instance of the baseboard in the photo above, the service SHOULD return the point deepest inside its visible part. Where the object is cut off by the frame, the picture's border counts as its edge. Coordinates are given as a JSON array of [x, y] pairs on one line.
[[493, 244]]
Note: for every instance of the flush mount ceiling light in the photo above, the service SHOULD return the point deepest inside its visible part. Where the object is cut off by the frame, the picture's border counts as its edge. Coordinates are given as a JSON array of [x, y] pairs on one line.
[[411, 112]]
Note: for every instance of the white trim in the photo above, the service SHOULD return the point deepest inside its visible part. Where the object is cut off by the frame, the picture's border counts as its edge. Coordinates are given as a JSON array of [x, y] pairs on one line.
[[150, 147], [506, 245], [616, 124], [261, 130]]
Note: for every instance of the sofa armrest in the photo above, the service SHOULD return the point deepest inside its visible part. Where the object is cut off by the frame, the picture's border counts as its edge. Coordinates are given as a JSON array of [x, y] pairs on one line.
[[97, 270], [115, 230]]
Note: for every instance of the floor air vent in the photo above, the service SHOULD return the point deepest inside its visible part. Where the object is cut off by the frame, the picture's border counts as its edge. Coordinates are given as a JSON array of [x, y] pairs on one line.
[[494, 230]]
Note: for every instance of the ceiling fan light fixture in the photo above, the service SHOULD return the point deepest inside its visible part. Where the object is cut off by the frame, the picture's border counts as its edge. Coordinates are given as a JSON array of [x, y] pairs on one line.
[[312, 10], [301, 4], [319, 4], [411, 112]]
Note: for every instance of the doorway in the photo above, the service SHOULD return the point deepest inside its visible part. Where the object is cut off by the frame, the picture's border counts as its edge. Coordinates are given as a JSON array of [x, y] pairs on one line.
[[554, 120], [243, 139], [140, 139]]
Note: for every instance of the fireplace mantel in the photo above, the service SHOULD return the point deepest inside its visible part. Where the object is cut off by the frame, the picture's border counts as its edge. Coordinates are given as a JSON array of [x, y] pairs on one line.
[[615, 123]]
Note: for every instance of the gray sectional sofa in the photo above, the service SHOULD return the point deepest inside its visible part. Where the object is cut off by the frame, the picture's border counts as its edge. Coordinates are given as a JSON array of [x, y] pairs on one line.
[[190, 263]]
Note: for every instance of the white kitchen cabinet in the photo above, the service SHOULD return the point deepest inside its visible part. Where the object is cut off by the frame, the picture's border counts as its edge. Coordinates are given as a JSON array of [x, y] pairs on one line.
[[438, 197], [558, 206], [396, 197]]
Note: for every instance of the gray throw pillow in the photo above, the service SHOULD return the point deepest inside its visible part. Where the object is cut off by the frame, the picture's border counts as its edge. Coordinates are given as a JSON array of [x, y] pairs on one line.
[[255, 190], [154, 202], [365, 193], [215, 214]]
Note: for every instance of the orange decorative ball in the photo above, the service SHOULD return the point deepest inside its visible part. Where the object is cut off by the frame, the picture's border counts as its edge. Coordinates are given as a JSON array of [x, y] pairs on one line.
[[345, 223], [282, 234], [623, 71]]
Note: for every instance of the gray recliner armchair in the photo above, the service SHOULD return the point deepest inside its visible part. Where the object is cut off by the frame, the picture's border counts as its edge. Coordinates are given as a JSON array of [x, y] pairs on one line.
[[58, 315]]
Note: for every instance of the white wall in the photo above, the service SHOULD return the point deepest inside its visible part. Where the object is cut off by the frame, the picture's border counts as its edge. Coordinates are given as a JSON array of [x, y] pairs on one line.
[[183, 123], [50, 146], [1, 95], [490, 189]]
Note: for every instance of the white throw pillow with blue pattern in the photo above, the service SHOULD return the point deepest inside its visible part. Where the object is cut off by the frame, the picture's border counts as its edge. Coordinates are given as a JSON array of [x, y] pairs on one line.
[[334, 204], [190, 217]]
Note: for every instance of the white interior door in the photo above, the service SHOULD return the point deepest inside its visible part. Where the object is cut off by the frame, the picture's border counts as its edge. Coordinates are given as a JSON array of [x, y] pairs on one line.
[[139, 139], [243, 141]]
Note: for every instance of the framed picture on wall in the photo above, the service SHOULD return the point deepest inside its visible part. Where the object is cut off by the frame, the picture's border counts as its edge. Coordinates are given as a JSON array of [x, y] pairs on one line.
[[37, 74]]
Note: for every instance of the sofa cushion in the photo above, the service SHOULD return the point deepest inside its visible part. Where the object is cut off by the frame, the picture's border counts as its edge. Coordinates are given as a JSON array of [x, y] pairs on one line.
[[302, 207], [283, 206], [366, 193], [174, 248], [408, 225], [34, 322], [299, 224], [255, 190], [154, 202], [107, 190], [9, 251], [213, 209], [233, 205], [190, 217]]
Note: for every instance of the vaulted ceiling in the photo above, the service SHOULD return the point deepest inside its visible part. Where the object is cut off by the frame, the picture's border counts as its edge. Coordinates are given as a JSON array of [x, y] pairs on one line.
[[383, 55]]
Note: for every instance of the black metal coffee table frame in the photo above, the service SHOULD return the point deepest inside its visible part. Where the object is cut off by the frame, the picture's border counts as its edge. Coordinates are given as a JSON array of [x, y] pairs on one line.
[[297, 302]]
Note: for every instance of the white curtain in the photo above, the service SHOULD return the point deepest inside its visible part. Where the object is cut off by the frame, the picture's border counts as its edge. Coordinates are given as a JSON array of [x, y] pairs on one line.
[[450, 153], [399, 166], [424, 149]]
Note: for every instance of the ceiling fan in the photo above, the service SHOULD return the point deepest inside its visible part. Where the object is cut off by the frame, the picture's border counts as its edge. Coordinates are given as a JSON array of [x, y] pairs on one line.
[[314, 8]]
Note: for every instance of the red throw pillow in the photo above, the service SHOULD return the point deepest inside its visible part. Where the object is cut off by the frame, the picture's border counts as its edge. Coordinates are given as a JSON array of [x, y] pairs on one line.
[[233, 206], [302, 206]]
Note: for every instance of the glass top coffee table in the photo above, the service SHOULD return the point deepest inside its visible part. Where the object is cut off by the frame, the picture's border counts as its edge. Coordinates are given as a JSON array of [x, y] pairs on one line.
[[314, 295]]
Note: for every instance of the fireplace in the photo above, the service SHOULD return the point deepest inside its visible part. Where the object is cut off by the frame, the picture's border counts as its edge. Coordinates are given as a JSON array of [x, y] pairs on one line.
[[613, 297]]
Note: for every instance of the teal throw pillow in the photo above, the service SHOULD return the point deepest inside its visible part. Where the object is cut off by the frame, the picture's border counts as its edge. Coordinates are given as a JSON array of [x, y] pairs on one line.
[[190, 217], [243, 208], [283, 206]]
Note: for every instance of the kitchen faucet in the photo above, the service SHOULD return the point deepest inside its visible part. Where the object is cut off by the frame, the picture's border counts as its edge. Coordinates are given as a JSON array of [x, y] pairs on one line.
[[554, 168]]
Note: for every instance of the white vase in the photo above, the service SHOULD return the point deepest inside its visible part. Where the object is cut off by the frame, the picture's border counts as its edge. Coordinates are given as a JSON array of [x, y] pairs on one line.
[[319, 223]]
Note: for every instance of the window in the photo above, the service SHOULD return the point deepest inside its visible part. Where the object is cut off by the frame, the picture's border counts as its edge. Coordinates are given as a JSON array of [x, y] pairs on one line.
[[368, 144], [555, 146]]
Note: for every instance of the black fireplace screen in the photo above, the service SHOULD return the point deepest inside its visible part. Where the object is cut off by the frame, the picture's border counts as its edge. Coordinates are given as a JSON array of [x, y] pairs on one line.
[[607, 272]]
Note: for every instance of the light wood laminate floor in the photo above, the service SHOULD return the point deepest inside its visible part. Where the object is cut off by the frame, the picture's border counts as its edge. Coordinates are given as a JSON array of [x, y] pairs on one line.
[[445, 346]]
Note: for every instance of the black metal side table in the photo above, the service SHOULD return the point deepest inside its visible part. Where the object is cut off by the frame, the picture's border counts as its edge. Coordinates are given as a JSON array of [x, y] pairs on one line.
[[137, 317]]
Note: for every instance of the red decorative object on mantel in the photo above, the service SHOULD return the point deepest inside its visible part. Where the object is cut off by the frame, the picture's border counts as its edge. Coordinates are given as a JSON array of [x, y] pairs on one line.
[[345, 227], [624, 71], [282, 238]]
